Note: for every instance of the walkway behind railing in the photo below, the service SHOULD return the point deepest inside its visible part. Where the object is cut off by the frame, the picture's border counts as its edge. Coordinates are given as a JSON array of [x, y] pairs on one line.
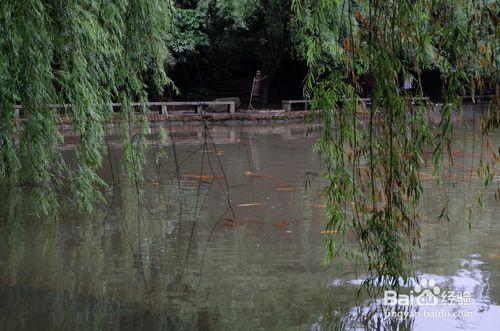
[[287, 104]]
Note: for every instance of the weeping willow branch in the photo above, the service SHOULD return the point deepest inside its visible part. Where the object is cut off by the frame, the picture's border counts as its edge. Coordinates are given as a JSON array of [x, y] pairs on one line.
[[88, 54], [373, 159]]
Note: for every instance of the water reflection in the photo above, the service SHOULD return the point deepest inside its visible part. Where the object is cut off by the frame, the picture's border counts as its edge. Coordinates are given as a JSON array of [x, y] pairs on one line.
[[223, 235], [451, 312]]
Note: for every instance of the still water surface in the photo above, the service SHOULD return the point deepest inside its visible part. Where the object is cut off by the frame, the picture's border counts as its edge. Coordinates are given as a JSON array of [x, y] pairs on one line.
[[186, 254]]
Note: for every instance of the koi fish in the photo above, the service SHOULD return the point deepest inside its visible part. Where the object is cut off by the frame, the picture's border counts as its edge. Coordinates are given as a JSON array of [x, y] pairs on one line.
[[230, 223], [218, 152], [251, 204], [256, 175], [371, 209], [328, 231], [282, 224], [286, 189], [201, 177]]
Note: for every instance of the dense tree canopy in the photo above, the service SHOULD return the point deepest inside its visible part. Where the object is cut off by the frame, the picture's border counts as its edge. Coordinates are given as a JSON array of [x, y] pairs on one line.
[[224, 34]]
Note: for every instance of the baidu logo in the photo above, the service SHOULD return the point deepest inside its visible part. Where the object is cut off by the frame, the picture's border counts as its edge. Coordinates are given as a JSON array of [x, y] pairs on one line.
[[425, 293]]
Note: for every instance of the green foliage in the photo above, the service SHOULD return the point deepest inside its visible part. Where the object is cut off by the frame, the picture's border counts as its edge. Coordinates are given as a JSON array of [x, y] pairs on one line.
[[373, 157], [88, 54], [188, 33], [240, 12]]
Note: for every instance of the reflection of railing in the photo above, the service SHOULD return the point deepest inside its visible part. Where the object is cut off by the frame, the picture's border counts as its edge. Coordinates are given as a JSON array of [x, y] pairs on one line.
[[195, 135], [230, 135], [163, 106]]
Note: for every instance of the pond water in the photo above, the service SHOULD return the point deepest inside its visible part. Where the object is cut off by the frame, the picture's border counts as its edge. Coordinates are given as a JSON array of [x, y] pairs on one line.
[[223, 235]]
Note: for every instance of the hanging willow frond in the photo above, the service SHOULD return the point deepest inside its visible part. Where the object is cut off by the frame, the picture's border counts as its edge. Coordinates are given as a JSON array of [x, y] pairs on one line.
[[373, 158], [84, 53]]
